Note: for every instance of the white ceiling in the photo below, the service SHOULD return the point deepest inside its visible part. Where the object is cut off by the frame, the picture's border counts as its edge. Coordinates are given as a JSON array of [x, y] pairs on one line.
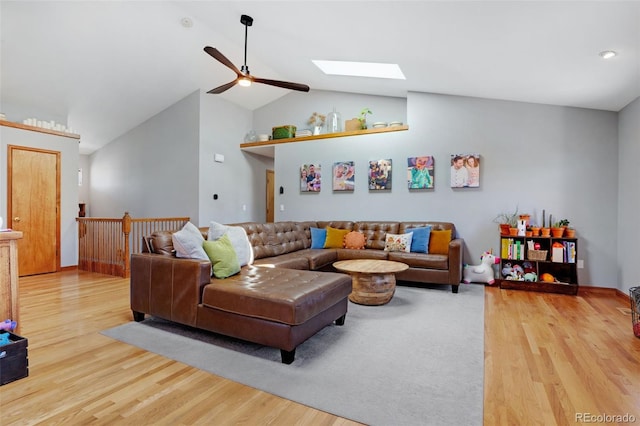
[[107, 66]]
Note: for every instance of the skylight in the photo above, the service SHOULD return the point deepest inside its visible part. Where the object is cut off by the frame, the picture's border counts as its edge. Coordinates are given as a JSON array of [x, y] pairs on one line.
[[360, 69]]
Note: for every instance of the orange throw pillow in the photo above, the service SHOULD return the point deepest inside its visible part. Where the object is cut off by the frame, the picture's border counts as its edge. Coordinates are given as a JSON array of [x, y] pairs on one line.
[[354, 240], [439, 241], [335, 237]]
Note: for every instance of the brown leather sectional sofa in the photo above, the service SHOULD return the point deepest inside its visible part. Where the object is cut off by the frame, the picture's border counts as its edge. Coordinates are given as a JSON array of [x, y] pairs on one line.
[[289, 293]]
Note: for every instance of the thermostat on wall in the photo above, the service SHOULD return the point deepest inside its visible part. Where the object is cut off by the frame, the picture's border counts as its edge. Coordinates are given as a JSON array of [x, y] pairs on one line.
[[218, 158]]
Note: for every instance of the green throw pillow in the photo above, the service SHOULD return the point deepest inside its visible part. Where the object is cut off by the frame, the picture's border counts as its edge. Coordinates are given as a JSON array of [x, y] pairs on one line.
[[223, 257]]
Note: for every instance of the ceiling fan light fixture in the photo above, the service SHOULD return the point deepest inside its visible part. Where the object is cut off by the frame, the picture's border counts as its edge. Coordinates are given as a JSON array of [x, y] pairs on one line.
[[244, 82], [607, 54]]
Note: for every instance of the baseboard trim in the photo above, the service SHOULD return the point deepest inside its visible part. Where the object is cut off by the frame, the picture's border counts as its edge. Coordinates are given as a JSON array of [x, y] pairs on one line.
[[69, 268]]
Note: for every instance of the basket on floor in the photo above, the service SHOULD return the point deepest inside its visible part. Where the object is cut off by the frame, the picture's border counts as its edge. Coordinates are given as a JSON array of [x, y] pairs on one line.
[[537, 254], [634, 298]]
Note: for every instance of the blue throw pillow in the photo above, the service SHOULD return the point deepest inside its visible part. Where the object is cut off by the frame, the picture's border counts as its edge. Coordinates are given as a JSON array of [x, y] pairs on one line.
[[318, 236], [420, 240]]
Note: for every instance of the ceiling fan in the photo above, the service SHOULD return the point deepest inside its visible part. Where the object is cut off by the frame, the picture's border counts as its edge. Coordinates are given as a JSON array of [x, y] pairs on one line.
[[244, 78]]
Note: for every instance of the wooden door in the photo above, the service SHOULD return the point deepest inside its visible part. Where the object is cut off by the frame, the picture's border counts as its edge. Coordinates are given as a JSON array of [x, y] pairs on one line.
[[270, 195], [33, 187]]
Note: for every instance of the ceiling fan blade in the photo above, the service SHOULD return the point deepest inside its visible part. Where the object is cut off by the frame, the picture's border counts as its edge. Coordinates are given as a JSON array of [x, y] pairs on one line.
[[283, 84], [221, 58], [223, 88]]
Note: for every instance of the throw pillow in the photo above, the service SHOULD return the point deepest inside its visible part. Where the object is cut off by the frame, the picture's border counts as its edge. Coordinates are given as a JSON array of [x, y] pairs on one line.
[[420, 240], [188, 242], [354, 240], [439, 241], [335, 237], [398, 242], [238, 237], [223, 257], [318, 237]]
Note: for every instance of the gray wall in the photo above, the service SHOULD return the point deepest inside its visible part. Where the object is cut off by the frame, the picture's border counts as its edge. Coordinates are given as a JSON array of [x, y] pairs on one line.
[[240, 180], [628, 200], [535, 157], [69, 154], [152, 170]]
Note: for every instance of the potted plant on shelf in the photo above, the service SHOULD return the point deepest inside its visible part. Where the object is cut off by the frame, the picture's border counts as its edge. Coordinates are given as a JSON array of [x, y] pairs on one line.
[[557, 230], [363, 117], [535, 231], [508, 222]]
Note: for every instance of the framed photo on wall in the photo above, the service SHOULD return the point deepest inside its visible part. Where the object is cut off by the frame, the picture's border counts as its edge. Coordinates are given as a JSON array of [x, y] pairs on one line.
[[465, 170], [310, 178], [380, 175], [344, 176], [420, 172]]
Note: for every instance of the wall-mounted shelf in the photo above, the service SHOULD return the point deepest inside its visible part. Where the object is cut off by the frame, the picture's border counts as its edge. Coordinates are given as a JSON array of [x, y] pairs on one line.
[[266, 148], [38, 129]]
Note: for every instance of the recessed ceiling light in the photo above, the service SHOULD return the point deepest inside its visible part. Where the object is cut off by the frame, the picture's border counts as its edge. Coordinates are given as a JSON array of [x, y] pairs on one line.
[[360, 69], [607, 54]]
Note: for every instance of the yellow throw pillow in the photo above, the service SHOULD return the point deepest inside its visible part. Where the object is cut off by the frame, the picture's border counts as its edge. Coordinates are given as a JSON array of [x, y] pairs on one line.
[[335, 237], [439, 242]]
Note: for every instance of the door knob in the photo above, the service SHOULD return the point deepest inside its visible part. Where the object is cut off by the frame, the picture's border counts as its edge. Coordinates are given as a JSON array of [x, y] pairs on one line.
[[16, 219]]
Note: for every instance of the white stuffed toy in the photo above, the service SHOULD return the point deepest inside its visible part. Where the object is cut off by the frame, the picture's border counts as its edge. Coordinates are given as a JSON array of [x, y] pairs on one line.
[[482, 273]]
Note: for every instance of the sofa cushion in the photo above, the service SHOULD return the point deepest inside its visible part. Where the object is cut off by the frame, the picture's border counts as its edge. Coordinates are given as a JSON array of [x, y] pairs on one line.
[[187, 242], [348, 254], [376, 232], [274, 239], [335, 237], [439, 241], [294, 260], [223, 257], [276, 294], [398, 242], [421, 260], [354, 240], [420, 239], [318, 259], [318, 237]]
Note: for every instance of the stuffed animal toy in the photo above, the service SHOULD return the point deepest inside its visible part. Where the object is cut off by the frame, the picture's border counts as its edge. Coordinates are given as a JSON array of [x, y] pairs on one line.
[[530, 277], [8, 325], [482, 273], [506, 269], [4, 339]]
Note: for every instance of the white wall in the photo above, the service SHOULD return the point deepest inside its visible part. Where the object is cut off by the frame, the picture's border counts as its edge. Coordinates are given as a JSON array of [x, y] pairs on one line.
[[563, 160], [69, 154], [628, 200], [152, 170]]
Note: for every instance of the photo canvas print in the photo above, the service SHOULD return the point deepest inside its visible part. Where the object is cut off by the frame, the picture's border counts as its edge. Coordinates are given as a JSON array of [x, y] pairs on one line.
[[380, 174], [465, 170], [310, 178], [344, 176], [420, 172]]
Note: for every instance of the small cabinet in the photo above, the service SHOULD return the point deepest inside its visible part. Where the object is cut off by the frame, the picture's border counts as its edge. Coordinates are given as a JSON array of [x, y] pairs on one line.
[[525, 260]]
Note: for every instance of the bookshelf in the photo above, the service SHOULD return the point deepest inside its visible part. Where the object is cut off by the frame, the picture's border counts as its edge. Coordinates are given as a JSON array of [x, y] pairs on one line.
[[554, 256]]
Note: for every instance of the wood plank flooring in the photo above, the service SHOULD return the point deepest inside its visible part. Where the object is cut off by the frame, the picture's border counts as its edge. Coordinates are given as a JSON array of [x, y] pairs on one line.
[[548, 359]]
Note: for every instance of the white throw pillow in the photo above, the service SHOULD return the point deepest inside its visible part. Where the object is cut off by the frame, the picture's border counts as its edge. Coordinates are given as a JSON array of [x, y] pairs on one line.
[[188, 242], [398, 242], [239, 240]]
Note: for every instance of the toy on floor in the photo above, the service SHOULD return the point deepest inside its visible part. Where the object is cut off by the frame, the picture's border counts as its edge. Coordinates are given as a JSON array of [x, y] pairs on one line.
[[482, 273], [4, 339], [8, 325]]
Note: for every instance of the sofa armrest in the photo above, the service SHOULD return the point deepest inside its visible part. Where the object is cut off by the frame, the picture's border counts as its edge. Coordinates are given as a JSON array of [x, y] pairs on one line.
[[168, 287], [455, 261]]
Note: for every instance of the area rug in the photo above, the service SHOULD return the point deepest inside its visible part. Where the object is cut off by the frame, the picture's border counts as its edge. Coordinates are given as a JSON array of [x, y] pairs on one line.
[[419, 360]]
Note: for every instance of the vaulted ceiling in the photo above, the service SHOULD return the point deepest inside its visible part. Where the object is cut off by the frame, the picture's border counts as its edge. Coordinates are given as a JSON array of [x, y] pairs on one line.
[[107, 65]]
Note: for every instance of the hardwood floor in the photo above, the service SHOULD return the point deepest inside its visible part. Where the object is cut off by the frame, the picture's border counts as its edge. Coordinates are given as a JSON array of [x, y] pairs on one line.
[[548, 359]]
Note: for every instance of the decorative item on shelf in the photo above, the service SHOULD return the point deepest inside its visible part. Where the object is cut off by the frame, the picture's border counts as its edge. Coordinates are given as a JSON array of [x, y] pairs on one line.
[[363, 117], [351, 125], [379, 124], [282, 132], [525, 217], [545, 232], [557, 231], [535, 231], [538, 255], [570, 232], [251, 136], [317, 121], [395, 124], [334, 122]]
